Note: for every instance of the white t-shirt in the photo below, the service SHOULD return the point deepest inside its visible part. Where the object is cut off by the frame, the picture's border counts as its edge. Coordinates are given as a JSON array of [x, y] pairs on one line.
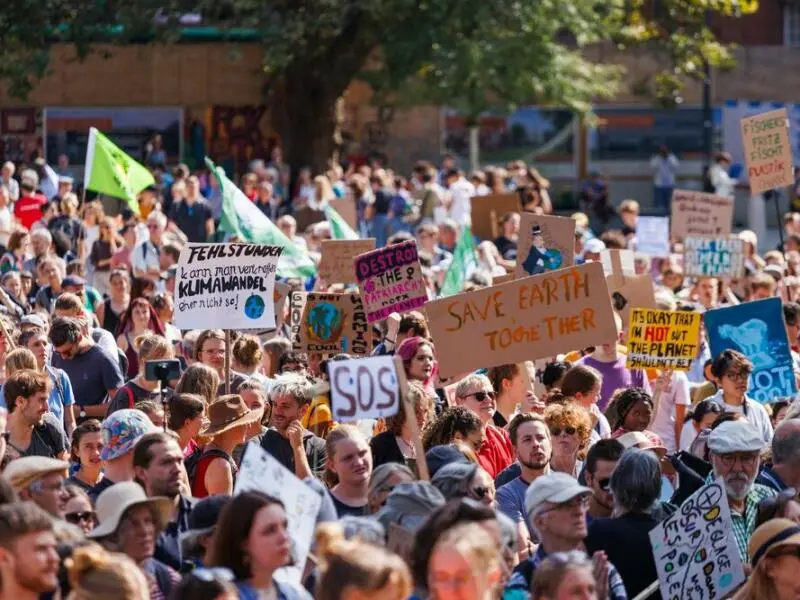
[[5, 225], [675, 393], [756, 414], [462, 192], [688, 435]]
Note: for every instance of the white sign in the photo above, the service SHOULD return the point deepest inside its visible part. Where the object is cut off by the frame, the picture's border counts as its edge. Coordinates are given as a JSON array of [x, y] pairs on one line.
[[695, 550], [261, 472], [652, 236], [623, 260], [226, 286], [364, 388]]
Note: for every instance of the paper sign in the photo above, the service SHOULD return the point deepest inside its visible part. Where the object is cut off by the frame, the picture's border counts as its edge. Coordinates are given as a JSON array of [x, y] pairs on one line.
[[334, 323], [336, 264], [488, 210], [226, 286], [618, 262], [545, 244], [261, 472], [713, 256], [662, 339], [525, 319], [768, 151], [697, 213], [652, 236], [364, 388], [757, 330], [390, 280], [636, 291], [280, 295], [695, 550]]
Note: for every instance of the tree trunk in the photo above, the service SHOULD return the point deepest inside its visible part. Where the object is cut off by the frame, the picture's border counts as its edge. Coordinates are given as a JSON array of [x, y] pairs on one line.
[[474, 147]]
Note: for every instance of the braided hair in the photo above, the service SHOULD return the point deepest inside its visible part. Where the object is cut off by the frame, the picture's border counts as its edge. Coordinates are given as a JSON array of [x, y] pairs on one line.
[[625, 400]]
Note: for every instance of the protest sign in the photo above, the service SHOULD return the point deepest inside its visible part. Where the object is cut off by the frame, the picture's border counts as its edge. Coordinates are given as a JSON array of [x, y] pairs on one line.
[[364, 388], [629, 292], [390, 280], [488, 210], [662, 339], [525, 319], [333, 323], [307, 216], [346, 207], [618, 263], [652, 236], [261, 472], [767, 150], [757, 330], [713, 256], [503, 279], [695, 550], [297, 306], [336, 264], [227, 286], [280, 295], [545, 244], [698, 213]]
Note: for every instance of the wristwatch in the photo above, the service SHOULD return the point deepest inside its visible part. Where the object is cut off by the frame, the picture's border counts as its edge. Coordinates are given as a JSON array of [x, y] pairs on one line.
[[82, 413]]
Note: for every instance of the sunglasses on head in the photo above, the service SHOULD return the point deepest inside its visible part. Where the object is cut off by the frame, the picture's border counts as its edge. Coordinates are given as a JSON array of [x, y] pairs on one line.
[[481, 396], [77, 517], [557, 430]]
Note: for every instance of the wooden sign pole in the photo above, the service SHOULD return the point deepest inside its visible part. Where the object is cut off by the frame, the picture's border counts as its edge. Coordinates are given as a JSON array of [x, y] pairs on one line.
[[228, 361]]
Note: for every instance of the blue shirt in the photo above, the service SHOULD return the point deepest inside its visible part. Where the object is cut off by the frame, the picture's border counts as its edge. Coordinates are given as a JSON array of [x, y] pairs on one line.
[[286, 591], [511, 501], [771, 479], [60, 396]]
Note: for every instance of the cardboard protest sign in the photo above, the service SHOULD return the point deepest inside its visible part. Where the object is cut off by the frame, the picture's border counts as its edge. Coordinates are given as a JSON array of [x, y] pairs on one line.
[[307, 216], [334, 323], [226, 286], [346, 207], [280, 295], [768, 151], [713, 256], [626, 290], [297, 306], [336, 264], [364, 388], [757, 330], [525, 319], [261, 472], [695, 549], [488, 210], [390, 280], [662, 339], [698, 213], [652, 236], [545, 244], [618, 262], [503, 279]]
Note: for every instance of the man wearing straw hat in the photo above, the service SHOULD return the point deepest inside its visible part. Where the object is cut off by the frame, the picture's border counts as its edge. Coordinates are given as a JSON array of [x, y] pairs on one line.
[[41, 480]]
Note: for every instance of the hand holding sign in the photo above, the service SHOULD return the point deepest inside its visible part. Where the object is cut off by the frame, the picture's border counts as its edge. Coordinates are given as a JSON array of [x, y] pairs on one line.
[[366, 388]]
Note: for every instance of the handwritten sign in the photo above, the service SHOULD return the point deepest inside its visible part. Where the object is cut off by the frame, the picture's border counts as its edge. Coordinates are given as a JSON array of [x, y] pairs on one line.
[[652, 236], [713, 256], [227, 286], [545, 244], [768, 151], [695, 550], [280, 295], [627, 292], [662, 339], [336, 264], [261, 472], [618, 263], [697, 213], [297, 306], [346, 207], [390, 280], [334, 323], [366, 388], [525, 319], [757, 330], [488, 210]]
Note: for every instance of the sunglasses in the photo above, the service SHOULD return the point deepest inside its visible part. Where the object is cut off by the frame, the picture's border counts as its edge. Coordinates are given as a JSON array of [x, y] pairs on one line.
[[78, 517], [481, 396], [479, 492], [556, 431], [605, 484]]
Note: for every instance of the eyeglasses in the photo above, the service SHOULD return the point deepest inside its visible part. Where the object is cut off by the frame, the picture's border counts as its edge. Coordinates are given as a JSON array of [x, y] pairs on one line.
[[605, 484], [577, 502], [747, 459], [481, 396], [737, 375], [479, 492], [78, 517], [220, 573], [556, 431]]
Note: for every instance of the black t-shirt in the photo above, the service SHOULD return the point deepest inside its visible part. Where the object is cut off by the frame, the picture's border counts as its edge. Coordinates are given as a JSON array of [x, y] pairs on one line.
[[343, 509], [129, 394], [191, 220], [279, 447], [104, 484], [48, 439], [383, 199], [385, 449], [506, 247]]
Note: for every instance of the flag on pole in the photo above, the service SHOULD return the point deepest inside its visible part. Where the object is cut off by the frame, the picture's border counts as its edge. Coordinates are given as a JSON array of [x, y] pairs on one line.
[[242, 218], [110, 171], [464, 263], [49, 183], [340, 230]]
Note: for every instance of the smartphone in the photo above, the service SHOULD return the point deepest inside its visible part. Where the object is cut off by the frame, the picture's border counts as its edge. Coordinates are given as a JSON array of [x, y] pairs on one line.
[[162, 370]]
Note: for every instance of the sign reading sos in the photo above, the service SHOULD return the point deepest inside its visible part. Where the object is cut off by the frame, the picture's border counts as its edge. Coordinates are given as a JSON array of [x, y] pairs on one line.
[[364, 388]]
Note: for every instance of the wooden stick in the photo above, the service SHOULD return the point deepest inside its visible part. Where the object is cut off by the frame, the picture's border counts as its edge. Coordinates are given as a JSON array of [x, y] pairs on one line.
[[411, 418], [227, 361], [648, 591]]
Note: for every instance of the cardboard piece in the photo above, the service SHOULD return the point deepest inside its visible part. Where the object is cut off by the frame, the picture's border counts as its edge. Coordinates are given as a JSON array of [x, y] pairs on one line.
[[757, 330], [698, 213], [488, 210], [280, 295], [652, 236], [713, 256], [630, 292], [545, 244], [525, 319], [390, 280], [695, 542], [364, 388], [619, 263], [663, 339], [768, 151], [333, 324], [297, 306], [336, 264], [346, 207], [307, 216], [226, 286], [503, 278]]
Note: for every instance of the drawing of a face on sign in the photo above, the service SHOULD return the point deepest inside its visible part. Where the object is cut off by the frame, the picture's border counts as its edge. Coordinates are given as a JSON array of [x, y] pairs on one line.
[[540, 258], [325, 323]]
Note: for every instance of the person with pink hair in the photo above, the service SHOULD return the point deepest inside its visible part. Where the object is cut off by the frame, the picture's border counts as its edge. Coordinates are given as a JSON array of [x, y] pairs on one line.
[[419, 359]]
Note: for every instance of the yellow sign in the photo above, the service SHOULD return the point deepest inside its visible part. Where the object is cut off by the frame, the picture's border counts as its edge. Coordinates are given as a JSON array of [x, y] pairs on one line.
[[662, 339]]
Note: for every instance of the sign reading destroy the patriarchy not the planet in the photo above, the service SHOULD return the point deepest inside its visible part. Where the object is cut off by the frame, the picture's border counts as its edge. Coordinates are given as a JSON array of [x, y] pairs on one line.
[[226, 286], [713, 256], [662, 339], [525, 319], [768, 151]]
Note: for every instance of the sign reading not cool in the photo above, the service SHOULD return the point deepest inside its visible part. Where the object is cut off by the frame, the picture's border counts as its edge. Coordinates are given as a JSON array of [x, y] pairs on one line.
[[364, 388]]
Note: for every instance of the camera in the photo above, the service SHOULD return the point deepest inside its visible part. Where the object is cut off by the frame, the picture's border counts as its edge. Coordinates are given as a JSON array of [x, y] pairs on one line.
[[162, 370]]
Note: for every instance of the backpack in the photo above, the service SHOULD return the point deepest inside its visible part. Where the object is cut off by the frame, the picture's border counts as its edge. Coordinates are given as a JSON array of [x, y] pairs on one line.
[[708, 187], [192, 461]]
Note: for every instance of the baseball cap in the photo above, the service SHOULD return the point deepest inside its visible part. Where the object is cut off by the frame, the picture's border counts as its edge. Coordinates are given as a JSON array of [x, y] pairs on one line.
[[34, 320], [73, 281], [555, 488], [735, 436], [122, 430], [644, 440]]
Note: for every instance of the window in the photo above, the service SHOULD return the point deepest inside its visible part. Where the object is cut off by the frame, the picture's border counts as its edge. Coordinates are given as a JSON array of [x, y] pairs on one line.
[[791, 24]]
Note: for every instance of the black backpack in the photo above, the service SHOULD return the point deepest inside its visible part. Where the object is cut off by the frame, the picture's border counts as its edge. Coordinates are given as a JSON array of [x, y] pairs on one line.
[[193, 460]]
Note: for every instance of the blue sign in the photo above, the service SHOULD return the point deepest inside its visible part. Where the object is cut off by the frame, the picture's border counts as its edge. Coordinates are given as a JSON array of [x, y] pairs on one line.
[[757, 330]]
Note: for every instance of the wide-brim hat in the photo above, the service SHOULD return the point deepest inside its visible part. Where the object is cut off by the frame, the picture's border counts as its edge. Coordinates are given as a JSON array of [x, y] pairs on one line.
[[770, 535], [226, 413], [22, 472], [115, 501]]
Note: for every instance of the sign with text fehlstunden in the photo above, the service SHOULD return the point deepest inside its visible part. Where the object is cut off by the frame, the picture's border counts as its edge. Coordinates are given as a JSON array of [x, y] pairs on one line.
[[525, 319], [768, 151], [662, 339], [698, 213]]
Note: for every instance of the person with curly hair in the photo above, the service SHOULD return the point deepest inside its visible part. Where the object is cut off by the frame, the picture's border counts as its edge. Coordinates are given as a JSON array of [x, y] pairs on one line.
[[396, 444], [634, 409], [456, 423], [570, 429]]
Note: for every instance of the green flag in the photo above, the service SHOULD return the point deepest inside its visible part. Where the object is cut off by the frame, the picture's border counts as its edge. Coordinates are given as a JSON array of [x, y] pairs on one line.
[[242, 218], [340, 230], [464, 261], [112, 172]]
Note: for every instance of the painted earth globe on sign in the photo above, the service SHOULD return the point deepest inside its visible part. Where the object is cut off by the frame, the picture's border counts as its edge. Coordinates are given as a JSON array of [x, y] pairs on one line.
[[254, 307]]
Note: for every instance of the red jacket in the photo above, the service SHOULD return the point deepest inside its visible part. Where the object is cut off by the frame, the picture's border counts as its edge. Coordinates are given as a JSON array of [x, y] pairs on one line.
[[496, 453]]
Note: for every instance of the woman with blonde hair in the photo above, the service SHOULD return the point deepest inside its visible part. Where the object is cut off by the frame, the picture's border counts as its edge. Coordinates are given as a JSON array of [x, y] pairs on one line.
[[148, 346], [199, 379], [248, 357], [349, 464], [95, 574], [565, 575], [92, 216], [774, 551]]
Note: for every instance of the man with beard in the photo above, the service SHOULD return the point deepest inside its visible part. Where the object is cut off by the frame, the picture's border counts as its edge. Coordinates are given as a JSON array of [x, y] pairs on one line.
[[28, 558], [600, 463], [530, 437], [31, 430], [734, 450], [158, 465]]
